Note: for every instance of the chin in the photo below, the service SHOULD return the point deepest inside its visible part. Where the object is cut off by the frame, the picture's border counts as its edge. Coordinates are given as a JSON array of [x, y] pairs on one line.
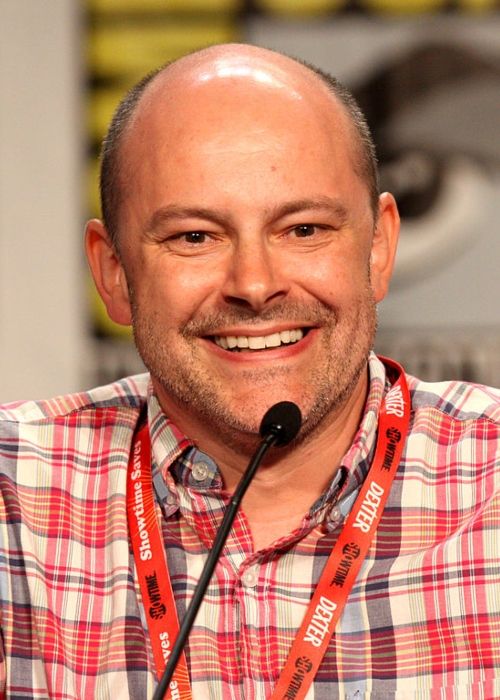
[[249, 410]]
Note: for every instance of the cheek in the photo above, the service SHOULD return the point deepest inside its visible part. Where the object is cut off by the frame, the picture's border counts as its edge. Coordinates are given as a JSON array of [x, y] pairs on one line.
[[335, 279], [176, 291]]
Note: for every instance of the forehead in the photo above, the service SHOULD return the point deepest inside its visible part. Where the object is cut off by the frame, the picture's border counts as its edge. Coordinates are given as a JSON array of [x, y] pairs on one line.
[[230, 116], [234, 94]]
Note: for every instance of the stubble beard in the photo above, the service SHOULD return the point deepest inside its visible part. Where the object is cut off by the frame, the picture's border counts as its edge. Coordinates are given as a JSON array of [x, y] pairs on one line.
[[190, 385]]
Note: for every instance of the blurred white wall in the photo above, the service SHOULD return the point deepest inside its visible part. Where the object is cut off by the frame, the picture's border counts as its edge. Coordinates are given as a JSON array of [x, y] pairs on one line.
[[42, 313]]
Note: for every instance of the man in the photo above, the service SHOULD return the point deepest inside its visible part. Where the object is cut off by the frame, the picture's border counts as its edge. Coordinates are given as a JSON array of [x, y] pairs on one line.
[[245, 241]]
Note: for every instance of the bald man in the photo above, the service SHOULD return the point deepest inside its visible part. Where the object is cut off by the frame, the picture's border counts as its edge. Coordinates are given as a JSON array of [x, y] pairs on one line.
[[245, 240]]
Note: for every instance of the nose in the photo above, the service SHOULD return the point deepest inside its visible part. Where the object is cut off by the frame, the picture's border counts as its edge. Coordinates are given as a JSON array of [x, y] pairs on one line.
[[254, 277]]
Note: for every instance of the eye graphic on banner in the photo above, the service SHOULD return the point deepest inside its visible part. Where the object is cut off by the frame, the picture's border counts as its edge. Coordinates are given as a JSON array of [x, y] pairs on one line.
[[463, 203], [432, 114]]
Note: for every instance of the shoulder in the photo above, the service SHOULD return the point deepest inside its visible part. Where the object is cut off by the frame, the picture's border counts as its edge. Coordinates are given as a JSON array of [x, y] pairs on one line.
[[69, 444], [454, 436], [76, 425], [460, 402], [127, 393]]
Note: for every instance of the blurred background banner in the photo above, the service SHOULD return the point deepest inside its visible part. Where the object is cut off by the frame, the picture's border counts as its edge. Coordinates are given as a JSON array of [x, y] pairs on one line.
[[426, 73]]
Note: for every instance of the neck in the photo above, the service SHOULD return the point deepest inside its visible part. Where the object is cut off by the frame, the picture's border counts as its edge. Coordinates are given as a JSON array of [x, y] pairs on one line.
[[299, 473]]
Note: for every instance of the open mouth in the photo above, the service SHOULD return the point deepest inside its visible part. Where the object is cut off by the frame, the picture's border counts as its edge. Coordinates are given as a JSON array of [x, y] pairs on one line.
[[251, 343]]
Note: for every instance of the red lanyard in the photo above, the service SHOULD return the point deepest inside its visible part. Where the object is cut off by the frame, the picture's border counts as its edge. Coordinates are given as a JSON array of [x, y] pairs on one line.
[[337, 579], [149, 554], [351, 548]]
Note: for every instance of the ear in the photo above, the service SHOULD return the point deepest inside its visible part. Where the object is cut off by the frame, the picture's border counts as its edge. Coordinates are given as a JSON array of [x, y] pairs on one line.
[[384, 245], [108, 272]]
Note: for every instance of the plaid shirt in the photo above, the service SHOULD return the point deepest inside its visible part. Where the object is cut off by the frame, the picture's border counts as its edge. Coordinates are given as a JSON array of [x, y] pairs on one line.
[[422, 621]]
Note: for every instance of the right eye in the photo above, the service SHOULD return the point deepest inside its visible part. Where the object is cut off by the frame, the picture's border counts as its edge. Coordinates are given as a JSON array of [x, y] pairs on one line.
[[189, 238], [192, 242]]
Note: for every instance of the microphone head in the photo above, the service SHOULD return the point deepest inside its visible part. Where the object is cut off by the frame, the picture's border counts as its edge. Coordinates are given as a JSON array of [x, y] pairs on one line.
[[282, 420]]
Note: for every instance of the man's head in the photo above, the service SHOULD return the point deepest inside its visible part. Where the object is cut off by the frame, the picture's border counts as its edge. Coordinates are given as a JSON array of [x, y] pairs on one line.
[[245, 216], [114, 172]]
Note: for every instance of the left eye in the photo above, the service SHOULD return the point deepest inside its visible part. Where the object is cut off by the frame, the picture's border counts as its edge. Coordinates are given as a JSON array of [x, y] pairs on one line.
[[304, 230], [194, 237]]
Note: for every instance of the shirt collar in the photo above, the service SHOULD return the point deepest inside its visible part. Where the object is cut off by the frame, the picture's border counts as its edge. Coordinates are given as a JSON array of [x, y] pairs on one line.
[[337, 502], [358, 457], [178, 460]]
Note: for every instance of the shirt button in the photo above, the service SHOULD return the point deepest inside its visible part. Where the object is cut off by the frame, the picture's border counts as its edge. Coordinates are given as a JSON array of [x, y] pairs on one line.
[[200, 471], [335, 514], [250, 577]]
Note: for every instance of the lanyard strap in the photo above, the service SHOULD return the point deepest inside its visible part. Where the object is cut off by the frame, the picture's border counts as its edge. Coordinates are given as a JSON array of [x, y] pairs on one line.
[[336, 581], [149, 554], [351, 548]]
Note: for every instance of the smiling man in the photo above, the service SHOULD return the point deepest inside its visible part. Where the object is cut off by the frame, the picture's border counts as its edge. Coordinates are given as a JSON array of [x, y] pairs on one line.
[[245, 241], [239, 225]]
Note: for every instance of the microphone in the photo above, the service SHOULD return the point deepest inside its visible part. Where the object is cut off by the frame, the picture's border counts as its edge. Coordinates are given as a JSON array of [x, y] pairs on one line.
[[280, 425], [282, 420]]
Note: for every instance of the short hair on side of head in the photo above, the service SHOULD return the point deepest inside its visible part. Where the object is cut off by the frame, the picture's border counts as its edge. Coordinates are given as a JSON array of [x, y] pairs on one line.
[[110, 187], [111, 168], [366, 163]]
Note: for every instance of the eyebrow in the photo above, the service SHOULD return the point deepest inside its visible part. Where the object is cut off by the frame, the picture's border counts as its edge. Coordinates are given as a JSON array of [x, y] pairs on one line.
[[175, 211], [321, 203]]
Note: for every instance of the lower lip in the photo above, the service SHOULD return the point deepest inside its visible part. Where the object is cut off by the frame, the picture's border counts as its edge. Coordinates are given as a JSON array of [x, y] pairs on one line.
[[282, 353]]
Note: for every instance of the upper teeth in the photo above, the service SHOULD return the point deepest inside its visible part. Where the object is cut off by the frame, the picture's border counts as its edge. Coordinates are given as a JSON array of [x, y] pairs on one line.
[[258, 342]]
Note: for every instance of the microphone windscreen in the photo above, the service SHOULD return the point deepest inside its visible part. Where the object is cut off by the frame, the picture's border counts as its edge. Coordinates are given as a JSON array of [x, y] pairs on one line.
[[283, 420]]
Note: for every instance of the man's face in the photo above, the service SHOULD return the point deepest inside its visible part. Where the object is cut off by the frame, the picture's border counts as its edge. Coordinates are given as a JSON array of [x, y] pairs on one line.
[[245, 240]]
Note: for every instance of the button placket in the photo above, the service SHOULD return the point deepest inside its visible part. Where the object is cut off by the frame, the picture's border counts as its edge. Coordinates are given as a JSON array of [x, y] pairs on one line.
[[250, 641]]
